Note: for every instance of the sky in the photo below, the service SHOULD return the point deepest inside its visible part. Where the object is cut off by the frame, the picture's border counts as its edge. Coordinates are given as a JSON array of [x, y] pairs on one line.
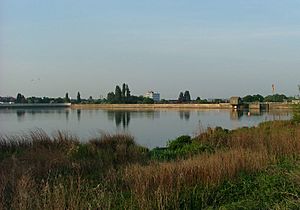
[[214, 49]]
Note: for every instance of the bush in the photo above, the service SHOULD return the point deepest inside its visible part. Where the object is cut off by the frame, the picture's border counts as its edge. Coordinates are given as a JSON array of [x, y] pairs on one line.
[[216, 137], [179, 142], [182, 147]]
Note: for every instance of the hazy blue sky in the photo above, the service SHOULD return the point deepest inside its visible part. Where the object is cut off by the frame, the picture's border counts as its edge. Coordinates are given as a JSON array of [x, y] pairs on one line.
[[214, 48]]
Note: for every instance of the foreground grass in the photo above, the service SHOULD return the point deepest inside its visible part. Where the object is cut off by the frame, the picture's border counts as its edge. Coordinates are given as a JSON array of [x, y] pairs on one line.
[[247, 168]]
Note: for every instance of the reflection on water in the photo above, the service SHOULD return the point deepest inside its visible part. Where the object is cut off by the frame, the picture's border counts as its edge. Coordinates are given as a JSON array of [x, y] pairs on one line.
[[149, 127], [236, 114], [120, 117], [67, 115], [257, 112], [185, 114], [20, 115], [78, 114]]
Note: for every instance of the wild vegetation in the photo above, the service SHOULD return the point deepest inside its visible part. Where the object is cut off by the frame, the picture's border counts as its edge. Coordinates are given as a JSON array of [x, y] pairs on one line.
[[246, 168]]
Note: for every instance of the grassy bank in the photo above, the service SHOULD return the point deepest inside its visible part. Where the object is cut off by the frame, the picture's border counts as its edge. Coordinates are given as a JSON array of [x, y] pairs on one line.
[[247, 168]]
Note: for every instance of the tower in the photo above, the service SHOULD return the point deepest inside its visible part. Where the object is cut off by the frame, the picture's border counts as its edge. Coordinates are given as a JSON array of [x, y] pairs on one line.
[[273, 89]]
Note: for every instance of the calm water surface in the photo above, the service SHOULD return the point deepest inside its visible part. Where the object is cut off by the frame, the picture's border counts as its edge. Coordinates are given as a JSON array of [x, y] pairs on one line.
[[150, 128]]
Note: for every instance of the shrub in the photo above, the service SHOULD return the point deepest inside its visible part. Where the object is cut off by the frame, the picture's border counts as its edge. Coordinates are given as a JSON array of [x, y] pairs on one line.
[[216, 137], [179, 142], [190, 148]]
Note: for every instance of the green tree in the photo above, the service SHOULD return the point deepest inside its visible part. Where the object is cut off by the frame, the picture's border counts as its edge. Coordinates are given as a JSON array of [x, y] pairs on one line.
[[254, 98], [67, 99], [181, 97], [275, 98], [123, 90], [248, 98], [59, 100], [110, 97], [78, 98], [118, 94], [147, 100], [20, 98], [91, 100], [127, 92], [258, 98], [187, 96]]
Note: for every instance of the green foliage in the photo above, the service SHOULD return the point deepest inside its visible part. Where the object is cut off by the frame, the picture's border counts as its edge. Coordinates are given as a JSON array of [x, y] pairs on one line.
[[123, 90], [122, 96], [179, 142], [184, 97], [78, 98], [296, 113], [110, 97], [185, 151], [276, 98], [201, 101], [181, 147], [253, 98], [181, 97], [273, 188], [20, 98], [59, 172], [127, 92], [187, 96], [110, 150], [46, 100], [147, 100], [118, 94], [216, 137], [67, 99]]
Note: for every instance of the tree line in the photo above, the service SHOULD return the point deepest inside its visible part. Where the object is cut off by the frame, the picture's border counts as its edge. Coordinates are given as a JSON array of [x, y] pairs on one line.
[[123, 96], [269, 98]]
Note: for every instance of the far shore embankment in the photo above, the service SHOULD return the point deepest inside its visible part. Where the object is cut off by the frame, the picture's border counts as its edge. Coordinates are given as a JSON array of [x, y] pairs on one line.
[[151, 106], [271, 106]]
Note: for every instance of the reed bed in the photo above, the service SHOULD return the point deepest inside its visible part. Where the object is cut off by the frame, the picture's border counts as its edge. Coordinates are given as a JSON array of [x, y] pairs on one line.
[[113, 172]]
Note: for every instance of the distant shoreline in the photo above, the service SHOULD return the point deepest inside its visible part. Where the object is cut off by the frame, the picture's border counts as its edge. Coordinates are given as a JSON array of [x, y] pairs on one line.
[[225, 106], [151, 106], [53, 105], [283, 106]]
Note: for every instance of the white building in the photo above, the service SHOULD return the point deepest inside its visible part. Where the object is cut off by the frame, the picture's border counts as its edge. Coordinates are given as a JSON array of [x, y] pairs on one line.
[[152, 95]]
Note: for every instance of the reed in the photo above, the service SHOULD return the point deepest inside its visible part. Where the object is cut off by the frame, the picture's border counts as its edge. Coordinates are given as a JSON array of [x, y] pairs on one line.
[[113, 172]]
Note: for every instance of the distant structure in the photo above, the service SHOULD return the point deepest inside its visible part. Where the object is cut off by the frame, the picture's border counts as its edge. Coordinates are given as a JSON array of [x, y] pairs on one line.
[[235, 102], [153, 95], [273, 89]]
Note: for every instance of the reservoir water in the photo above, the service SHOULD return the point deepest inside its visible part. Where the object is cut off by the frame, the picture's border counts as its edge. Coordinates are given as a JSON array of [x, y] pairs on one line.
[[151, 128]]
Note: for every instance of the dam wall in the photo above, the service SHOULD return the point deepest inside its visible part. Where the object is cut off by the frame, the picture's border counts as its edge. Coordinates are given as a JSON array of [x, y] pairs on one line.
[[152, 106]]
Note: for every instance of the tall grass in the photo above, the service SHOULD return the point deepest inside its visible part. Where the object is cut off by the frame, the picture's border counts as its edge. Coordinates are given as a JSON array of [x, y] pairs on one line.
[[296, 113], [245, 150], [113, 172], [43, 172]]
